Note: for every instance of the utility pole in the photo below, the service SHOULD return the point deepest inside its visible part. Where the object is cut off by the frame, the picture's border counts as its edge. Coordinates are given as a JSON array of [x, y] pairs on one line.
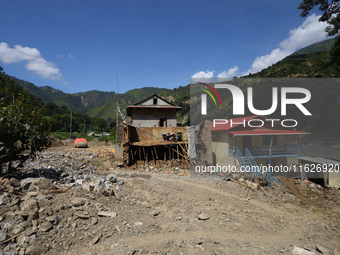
[[117, 96], [71, 126]]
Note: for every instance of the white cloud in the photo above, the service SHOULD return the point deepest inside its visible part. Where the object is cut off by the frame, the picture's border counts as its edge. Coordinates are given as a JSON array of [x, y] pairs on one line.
[[69, 55], [230, 74], [36, 62], [201, 74], [311, 31]]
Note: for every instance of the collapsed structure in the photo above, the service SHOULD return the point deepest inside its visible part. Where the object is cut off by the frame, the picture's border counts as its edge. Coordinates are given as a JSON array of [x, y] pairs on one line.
[[153, 136]]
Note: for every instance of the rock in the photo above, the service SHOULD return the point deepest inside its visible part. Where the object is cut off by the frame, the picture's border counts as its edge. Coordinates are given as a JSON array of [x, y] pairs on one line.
[[41, 184], [26, 183], [51, 219], [83, 216], [45, 226], [155, 213], [107, 214], [15, 182], [29, 208], [43, 202], [111, 178], [25, 240], [94, 240], [87, 187], [139, 223], [78, 202], [3, 236], [86, 179], [20, 228], [5, 201], [321, 249], [300, 251], [203, 216], [36, 250]]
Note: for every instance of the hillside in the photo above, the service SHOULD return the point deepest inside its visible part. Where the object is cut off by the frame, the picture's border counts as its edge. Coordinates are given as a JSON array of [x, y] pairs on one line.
[[325, 45], [81, 102], [309, 62]]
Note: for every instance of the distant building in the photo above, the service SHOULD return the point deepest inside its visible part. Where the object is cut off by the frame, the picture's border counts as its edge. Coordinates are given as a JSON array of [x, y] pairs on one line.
[[153, 111], [263, 145]]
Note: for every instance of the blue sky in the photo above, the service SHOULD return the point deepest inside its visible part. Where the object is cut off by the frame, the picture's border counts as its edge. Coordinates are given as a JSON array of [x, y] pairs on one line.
[[72, 45]]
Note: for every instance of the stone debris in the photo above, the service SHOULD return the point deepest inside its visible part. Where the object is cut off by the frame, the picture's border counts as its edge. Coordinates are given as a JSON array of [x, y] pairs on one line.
[[203, 216], [62, 204], [107, 214], [301, 251], [103, 153]]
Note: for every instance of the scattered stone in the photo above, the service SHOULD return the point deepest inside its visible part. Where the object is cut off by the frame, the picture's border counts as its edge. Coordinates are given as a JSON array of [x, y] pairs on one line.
[[36, 250], [83, 216], [41, 184], [321, 249], [29, 208], [15, 182], [138, 223], [300, 251], [3, 236], [203, 216], [26, 183], [107, 214], [45, 226], [155, 213], [94, 240], [78, 202]]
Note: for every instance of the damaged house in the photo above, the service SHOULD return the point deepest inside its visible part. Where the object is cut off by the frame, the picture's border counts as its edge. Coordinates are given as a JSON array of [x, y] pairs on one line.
[[153, 136]]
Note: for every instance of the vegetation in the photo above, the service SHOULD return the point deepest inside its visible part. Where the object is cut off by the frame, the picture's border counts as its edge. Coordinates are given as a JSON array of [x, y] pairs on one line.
[[79, 102], [23, 129], [331, 12], [310, 62]]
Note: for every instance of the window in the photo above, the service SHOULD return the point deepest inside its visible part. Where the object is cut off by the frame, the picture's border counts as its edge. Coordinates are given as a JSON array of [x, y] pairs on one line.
[[155, 100], [267, 139], [162, 123]]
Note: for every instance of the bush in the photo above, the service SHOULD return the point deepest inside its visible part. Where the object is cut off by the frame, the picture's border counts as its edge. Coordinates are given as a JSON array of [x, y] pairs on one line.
[[23, 130]]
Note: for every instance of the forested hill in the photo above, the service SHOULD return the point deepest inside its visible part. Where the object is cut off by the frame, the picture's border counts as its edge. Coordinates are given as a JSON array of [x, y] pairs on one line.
[[81, 102], [309, 62]]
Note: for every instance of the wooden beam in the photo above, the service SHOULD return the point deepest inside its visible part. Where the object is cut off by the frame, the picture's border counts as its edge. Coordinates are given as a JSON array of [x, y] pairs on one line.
[[182, 155], [155, 151]]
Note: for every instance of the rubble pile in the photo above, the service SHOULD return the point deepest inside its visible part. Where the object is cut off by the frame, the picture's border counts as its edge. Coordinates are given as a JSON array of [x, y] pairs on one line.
[[35, 210], [104, 154]]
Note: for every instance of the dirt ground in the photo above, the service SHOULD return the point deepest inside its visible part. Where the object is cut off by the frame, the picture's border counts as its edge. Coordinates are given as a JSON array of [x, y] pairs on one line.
[[160, 213]]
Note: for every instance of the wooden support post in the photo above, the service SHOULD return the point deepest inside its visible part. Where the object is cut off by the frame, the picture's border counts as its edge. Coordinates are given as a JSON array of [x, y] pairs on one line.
[[165, 154], [147, 157], [155, 151], [153, 157], [140, 156], [144, 155], [130, 149]]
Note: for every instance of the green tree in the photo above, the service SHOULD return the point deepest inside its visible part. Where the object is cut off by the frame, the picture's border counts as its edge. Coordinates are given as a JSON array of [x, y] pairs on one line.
[[331, 15], [23, 130]]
